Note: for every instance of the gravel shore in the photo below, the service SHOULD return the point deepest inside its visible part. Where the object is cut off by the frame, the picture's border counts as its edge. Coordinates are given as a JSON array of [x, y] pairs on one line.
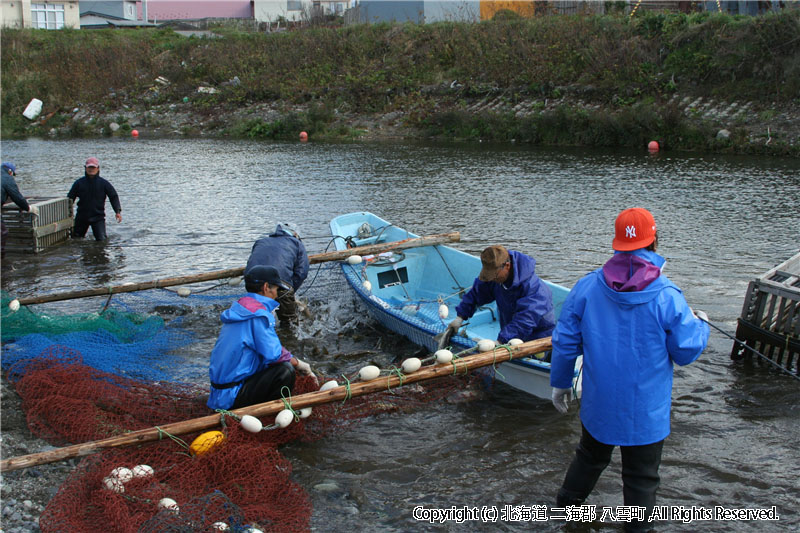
[[24, 493]]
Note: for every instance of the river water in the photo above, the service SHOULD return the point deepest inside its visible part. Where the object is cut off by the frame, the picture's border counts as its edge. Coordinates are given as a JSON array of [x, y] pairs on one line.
[[192, 206]]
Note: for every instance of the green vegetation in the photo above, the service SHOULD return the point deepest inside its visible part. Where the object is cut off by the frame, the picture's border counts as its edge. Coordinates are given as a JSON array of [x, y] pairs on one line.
[[628, 65]]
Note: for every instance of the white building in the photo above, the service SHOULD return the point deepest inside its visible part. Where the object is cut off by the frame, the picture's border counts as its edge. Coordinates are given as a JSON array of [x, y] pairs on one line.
[[45, 15]]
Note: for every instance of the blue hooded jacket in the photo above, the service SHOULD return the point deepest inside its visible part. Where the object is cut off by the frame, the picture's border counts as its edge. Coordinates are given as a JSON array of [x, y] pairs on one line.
[[525, 307], [283, 251], [246, 345], [629, 337]]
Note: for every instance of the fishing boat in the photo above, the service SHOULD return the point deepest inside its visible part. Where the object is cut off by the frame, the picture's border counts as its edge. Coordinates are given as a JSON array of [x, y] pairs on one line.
[[414, 292]]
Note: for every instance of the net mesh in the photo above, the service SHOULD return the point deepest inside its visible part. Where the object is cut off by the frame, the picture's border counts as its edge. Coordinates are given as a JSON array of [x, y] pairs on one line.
[[90, 376]]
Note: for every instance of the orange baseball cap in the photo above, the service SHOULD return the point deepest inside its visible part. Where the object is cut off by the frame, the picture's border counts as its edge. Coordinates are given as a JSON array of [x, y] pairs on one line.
[[634, 228]]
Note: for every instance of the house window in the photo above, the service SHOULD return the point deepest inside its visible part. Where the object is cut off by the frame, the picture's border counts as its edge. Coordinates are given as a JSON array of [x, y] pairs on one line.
[[294, 5], [47, 16]]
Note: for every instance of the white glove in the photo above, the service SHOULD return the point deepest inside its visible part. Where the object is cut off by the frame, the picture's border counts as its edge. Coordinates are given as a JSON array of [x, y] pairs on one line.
[[561, 399], [701, 315], [455, 324], [33, 210], [304, 368]]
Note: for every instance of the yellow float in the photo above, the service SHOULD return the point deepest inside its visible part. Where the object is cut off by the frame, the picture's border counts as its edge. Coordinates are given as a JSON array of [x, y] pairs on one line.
[[206, 442]]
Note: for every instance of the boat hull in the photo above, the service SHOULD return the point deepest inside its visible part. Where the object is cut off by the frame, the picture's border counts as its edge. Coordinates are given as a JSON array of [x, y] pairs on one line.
[[404, 291]]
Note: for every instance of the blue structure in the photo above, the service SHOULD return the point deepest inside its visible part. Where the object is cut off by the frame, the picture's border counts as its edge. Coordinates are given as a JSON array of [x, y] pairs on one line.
[[419, 11], [742, 7]]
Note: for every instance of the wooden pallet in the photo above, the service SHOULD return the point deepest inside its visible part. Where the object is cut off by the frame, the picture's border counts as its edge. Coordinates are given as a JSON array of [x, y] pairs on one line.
[[770, 320], [29, 234]]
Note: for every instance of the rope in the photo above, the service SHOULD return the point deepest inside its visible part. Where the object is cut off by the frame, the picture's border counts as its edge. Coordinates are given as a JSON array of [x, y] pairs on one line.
[[454, 362], [400, 375], [319, 266], [287, 402], [224, 413], [460, 287], [347, 389], [161, 433], [494, 361], [744, 345], [180, 244]]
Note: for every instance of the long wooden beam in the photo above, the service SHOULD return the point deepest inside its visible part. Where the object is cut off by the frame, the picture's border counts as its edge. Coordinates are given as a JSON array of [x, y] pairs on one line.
[[379, 384], [429, 240]]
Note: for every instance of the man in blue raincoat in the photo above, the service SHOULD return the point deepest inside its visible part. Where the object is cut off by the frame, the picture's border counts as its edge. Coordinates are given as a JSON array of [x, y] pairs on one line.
[[524, 302], [248, 363], [283, 250], [631, 324]]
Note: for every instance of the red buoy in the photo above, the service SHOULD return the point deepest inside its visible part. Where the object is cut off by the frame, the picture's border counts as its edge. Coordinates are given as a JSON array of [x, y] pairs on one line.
[[303, 136], [135, 133], [652, 146]]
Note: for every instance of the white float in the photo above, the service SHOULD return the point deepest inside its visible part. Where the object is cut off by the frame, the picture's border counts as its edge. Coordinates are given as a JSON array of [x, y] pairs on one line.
[[369, 372], [284, 418], [515, 342], [485, 345], [410, 365], [184, 291], [142, 471], [168, 503], [251, 424], [14, 305], [329, 385], [443, 356], [123, 474], [114, 484], [354, 260], [444, 311]]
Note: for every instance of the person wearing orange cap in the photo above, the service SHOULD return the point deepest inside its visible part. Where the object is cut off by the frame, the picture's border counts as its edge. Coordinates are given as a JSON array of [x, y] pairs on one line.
[[91, 191], [631, 324]]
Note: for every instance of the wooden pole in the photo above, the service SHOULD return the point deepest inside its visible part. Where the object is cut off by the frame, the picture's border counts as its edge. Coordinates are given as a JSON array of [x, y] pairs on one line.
[[429, 240], [379, 384]]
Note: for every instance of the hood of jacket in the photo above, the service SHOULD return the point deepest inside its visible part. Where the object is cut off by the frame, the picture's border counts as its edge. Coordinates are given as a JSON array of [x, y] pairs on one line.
[[280, 232], [247, 307], [524, 268], [633, 277]]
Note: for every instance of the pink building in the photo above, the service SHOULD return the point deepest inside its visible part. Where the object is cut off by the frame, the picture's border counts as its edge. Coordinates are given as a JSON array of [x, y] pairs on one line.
[[158, 10]]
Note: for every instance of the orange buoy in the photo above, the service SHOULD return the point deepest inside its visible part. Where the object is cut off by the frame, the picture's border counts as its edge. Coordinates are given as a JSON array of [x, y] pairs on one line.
[[303, 136], [652, 146], [135, 133]]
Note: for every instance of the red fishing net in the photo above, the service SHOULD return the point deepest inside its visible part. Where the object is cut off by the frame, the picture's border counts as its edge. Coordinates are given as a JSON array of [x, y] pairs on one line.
[[245, 482]]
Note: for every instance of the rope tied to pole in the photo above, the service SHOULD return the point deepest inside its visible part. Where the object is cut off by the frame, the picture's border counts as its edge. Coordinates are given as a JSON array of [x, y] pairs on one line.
[[399, 373], [348, 393], [287, 402], [223, 413], [178, 440]]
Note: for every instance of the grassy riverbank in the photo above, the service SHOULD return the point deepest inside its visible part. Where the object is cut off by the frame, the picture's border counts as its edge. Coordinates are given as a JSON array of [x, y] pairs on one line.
[[598, 80]]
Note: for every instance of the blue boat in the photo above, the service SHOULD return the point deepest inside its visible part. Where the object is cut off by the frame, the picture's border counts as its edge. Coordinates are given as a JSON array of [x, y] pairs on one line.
[[405, 290]]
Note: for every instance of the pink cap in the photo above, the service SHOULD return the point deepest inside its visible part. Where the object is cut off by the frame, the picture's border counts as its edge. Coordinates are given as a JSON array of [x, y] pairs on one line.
[[92, 162]]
